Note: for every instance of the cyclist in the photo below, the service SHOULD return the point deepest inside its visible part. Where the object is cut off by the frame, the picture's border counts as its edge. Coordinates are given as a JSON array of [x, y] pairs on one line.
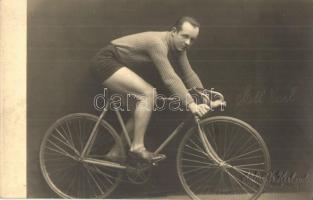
[[112, 66]]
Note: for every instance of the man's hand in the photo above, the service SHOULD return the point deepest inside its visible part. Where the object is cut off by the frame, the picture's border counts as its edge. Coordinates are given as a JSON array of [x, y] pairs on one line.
[[198, 109]]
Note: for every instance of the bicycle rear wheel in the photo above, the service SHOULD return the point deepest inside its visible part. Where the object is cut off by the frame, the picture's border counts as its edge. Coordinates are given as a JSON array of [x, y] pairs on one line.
[[238, 145], [60, 161]]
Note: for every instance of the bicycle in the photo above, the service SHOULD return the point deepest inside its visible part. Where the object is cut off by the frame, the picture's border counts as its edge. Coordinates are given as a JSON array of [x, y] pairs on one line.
[[219, 157]]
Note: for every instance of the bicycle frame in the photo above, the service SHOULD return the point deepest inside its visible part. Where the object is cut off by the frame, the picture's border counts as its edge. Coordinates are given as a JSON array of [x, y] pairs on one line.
[[92, 137], [199, 137], [208, 148]]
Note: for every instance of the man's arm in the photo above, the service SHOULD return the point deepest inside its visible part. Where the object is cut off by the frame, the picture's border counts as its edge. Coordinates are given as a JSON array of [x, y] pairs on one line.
[[158, 55], [190, 78]]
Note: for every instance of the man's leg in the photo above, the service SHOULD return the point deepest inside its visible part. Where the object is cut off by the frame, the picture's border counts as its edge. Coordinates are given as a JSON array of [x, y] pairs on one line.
[[127, 82]]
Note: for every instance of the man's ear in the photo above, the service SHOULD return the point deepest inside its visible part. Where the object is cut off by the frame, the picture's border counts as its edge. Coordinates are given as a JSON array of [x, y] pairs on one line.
[[173, 30]]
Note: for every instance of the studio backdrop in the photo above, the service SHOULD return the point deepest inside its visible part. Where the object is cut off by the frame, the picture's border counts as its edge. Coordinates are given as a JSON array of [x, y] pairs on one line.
[[259, 54]]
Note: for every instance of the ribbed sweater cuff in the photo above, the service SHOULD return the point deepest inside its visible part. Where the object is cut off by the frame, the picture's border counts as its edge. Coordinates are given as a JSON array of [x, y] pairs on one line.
[[189, 99]]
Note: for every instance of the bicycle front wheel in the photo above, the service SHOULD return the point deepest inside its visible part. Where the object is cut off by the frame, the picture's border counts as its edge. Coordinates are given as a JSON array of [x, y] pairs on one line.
[[246, 161], [60, 162]]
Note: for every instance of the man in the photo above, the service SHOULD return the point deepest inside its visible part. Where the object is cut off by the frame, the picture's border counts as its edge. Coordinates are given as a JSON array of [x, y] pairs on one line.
[[112, 65]]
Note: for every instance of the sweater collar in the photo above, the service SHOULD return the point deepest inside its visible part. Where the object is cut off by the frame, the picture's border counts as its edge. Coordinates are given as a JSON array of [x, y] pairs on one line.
[[169, 41]]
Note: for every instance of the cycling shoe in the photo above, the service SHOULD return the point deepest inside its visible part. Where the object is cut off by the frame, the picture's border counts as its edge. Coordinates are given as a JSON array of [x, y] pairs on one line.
[[145, 155]]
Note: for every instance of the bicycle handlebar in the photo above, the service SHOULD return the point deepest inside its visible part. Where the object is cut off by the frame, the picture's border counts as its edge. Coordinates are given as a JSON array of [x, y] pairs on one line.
[[214, 99]]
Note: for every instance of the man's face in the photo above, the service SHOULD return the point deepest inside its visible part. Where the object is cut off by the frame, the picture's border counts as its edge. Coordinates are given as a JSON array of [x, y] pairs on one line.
[[184, 38]]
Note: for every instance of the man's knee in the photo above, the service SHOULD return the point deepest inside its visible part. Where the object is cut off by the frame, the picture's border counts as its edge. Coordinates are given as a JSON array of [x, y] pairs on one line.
[[149, 95]]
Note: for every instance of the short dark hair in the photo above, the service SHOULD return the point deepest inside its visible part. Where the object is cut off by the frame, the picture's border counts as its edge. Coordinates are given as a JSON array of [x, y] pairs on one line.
[[178, 24]]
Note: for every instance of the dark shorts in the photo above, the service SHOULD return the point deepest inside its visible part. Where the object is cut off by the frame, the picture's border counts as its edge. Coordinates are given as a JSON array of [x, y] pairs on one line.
[[105, 63]]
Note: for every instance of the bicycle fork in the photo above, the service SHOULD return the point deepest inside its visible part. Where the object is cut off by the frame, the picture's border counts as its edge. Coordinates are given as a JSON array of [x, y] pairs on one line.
[[208, 147]]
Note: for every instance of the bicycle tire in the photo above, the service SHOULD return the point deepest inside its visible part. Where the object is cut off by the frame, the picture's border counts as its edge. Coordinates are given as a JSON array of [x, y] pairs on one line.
[[65, 175], [245, 180]]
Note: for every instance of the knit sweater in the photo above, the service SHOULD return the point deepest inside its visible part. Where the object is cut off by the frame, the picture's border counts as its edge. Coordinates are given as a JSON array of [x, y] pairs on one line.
[[157, 47]]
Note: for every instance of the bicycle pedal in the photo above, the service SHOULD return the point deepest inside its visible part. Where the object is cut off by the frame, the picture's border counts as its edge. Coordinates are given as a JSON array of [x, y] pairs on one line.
[[156, 162]]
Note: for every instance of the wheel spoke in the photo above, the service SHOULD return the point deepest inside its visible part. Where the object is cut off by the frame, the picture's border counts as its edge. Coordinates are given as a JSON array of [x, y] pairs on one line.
[[233, 145], [62, 169], [230, 179], [80, 136], [197, 168], [254, 169], [66, 144], [66, 134], [239, 156], [198, 180], [205, 178], [224, 142], [57, 163], [61, 176], [97, 174], [249, 148], [232, 136], [61, 151], [206, 185], [242, 147], [57, 159], [240, 183], [247, 172], [197, 150], [247, 165], [87, 132], [78, 182], [106, 176], [211, 132], [71, 182], [220, 183], [66, 140], [245, 175], [195, 155], [196, 161], [69, 134], [94, 180], [200, 149], [89, 184], [245, 158]]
